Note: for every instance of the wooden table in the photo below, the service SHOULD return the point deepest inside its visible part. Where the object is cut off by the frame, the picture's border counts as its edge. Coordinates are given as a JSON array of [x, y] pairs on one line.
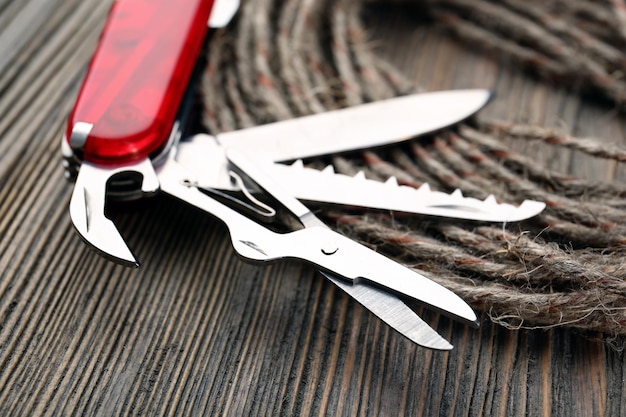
[[197, 332]]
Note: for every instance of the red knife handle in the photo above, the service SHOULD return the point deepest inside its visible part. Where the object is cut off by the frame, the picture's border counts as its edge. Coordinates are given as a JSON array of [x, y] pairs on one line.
[[137, 78]]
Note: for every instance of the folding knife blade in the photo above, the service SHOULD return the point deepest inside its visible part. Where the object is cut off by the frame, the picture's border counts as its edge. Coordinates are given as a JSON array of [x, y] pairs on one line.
[[369, 125]]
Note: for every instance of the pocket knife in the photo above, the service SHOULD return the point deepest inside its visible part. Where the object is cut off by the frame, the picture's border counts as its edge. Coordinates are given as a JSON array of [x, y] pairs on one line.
[[125, 139]]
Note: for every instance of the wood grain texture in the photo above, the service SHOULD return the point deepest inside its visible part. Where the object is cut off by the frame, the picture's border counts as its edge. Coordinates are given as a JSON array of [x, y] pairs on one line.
[[197, 332]]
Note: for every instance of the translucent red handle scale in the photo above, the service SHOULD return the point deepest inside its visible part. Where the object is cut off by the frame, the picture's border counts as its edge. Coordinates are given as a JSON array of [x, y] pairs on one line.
[[137, 78]]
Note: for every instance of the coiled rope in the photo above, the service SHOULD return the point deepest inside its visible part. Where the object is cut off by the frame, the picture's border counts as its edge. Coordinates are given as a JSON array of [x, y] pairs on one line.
[[286, 58]]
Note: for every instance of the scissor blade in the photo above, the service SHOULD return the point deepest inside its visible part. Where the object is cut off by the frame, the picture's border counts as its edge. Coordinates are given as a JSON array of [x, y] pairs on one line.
[[339, 255], [255, 242], [395, 313], [333, 252], [369, 125]]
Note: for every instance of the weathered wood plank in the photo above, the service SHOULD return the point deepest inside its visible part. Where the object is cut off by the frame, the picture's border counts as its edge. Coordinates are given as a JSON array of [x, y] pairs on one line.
[[197, 332]]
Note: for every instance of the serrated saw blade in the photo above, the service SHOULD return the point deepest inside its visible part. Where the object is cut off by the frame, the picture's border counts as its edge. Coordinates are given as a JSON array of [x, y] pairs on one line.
[[201, 155]]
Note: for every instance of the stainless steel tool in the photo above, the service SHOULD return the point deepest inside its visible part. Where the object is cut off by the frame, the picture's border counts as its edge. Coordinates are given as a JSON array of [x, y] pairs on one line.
[[370, 278], [124, 138]]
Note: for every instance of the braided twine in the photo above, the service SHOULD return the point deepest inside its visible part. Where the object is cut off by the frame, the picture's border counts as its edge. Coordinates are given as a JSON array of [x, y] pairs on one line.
[[286, 58]]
